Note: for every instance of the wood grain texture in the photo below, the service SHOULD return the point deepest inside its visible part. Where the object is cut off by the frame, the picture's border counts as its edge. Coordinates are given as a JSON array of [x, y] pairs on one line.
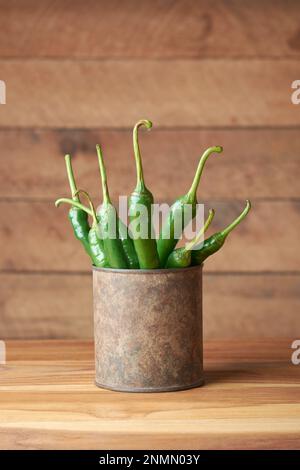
[[206, 73], [259, 163], [172, 93], [46, 306], [157, 29], [235, 306], [250, 401], [38, 237]]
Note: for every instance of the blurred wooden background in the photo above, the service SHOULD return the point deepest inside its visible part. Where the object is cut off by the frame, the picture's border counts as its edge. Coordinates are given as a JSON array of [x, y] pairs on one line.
[[206, 73]]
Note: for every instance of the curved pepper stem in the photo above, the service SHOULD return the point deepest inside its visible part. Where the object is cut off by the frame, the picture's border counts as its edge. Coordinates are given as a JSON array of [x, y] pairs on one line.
[[195, 240], [193, 189], [71, 177], [92, 208], [236, 222], [74, 203], [106, 197], [137, 154]]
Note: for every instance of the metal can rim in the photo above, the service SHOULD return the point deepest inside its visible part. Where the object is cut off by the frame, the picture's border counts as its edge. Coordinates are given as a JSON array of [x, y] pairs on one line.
[[148, 271]]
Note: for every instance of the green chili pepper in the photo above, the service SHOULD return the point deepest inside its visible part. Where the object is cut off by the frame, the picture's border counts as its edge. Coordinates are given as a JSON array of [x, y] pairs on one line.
[[109, 224], [100, 257], [182, 257], [128, 246], [77, 217], [127, 243], [141, 197], [96, 244], [212, 244], [167, 241]]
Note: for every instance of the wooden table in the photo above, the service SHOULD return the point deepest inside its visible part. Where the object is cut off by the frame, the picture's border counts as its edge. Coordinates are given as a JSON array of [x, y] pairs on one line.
[[48, 400]]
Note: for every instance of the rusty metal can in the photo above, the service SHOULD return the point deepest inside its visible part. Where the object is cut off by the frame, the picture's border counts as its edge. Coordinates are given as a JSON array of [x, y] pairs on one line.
[[148, 329]]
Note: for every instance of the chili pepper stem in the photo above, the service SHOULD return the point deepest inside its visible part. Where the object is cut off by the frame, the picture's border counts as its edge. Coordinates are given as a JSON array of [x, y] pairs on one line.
[[92, 208], [137, 154], [73, 203], [193, 189], [71, 177], [195, 240], [233, 224], [106, 197]]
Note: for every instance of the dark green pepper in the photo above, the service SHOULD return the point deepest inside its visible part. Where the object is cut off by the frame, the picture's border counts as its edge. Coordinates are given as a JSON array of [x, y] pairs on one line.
[[141, 197], [167, 241], [128, 246], [216, 241], [77, 217], [182, 257], [127, 243], [96, 244], [109, 224]]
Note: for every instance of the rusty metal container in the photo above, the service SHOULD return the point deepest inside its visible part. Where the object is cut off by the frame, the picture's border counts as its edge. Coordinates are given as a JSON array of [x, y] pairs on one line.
[[148, 329]]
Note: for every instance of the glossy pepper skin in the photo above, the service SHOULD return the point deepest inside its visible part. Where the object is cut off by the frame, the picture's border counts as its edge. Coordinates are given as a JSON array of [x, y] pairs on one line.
[[96, 244], [145, 248], [127, 243], [109, 224], [77, 217], [128, 246], [167, 240], [182, 257], [100, 258], [213, 244], [97, 249]]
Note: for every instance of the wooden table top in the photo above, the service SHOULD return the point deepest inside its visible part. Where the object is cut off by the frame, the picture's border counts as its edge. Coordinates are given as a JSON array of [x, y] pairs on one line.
[[48, 400]]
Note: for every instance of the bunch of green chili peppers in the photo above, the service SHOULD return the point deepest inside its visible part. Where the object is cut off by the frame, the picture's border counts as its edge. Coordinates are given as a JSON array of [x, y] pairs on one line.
[[110, 244]]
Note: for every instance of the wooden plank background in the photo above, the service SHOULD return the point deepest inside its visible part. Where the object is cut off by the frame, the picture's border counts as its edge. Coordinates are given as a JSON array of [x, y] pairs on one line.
[[166, 29], [179, 92], [80, 73], [258, 163]]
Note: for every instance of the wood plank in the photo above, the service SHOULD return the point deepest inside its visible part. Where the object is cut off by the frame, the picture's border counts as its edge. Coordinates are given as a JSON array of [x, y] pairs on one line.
[[156, 29], [38, 237], [60, 350], [235, 306], [260, 163], [55, 404], [262, 242], [46, 306], [41, 437], [172, 93]]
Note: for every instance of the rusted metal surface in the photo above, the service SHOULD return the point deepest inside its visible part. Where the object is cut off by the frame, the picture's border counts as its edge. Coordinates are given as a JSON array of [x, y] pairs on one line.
[[148, 329]]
